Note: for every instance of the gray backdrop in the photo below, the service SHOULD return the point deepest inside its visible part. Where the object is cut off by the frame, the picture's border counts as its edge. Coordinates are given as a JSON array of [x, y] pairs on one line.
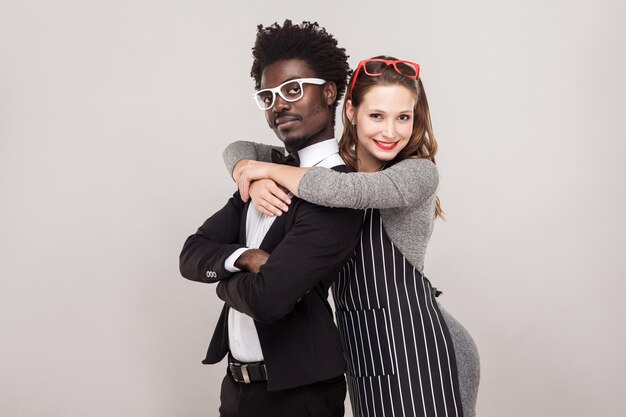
[[113, 117]]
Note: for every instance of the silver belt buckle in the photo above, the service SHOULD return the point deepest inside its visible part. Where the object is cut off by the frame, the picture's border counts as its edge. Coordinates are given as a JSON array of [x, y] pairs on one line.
[[244, 373]]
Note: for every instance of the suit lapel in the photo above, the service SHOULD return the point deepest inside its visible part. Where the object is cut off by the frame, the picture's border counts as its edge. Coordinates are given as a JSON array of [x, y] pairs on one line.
[[244, 223], [279, 228]]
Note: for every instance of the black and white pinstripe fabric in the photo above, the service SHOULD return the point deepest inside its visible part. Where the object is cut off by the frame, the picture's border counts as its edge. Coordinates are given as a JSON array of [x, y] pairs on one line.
[[400, 356]]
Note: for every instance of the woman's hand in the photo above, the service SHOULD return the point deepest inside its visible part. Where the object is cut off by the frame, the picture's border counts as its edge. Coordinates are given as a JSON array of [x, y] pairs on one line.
[[238, 169], [268, 197], [250, 171]]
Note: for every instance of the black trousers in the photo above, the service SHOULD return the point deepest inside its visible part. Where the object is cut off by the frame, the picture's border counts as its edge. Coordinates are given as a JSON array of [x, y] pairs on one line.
[[321, 399]]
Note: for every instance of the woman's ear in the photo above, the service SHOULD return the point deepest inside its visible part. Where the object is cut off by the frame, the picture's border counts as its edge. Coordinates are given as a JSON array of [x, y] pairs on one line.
[[350, 112], [330, 92]]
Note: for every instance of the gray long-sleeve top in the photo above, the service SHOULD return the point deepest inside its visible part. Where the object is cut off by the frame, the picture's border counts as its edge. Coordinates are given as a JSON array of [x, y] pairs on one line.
[[405, 193]]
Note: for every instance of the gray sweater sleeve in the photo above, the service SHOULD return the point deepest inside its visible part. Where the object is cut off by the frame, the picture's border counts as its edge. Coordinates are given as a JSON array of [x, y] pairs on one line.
[[240, 149], [408, 183]]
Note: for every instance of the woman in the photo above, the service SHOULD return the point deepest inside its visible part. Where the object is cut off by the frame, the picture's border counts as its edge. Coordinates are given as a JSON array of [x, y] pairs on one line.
[[406, 355]]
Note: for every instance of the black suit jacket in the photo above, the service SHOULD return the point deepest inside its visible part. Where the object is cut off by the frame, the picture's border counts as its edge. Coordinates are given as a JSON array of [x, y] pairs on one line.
[[288, 298]]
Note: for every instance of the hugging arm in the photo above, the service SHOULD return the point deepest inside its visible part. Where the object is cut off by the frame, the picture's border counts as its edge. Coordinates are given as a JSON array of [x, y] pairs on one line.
[[410, 182], [241, 150]]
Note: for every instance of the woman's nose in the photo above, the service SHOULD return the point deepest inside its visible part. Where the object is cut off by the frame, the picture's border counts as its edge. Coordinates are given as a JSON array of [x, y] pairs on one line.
[[390, 130]]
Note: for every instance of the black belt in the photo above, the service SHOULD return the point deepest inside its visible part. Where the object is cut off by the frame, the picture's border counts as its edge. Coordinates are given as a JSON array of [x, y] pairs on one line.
[[247, 372]]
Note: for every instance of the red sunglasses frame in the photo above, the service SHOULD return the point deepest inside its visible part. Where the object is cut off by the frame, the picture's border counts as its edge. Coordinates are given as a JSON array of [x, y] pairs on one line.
[[388, 62]]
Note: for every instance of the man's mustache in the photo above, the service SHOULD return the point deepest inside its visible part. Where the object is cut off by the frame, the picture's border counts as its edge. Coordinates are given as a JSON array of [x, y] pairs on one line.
[[285, 117]]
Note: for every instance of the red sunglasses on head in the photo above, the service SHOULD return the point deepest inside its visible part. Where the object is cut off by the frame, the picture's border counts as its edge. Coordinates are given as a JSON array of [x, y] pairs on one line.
[[373, 68]]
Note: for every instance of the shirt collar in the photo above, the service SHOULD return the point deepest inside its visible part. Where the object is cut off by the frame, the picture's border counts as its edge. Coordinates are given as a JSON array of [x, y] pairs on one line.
[[316, 153]]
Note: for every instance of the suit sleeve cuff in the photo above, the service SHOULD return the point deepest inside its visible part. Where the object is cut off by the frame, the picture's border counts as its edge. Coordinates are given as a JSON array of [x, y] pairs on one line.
[[229, 263]]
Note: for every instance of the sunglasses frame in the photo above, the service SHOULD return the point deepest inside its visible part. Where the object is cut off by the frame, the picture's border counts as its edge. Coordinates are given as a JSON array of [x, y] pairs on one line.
[[276, 90], [388, 62]]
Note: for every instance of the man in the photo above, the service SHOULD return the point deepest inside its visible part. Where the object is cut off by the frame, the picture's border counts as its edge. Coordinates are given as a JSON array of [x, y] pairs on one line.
[[285, 356]]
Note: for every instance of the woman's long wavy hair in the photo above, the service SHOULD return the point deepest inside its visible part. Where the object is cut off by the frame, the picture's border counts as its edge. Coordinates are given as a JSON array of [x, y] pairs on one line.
[[421, 145]]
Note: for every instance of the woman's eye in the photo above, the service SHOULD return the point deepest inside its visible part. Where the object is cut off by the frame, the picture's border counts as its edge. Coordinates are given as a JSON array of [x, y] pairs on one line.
[[405, 117], [376, 116]]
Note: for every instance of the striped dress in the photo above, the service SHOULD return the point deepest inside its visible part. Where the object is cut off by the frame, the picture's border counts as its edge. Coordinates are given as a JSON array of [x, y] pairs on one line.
[[399, 350]]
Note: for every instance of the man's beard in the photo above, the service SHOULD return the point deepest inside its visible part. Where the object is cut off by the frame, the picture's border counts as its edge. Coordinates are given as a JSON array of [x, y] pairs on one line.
[[297, 143], [293, 144]]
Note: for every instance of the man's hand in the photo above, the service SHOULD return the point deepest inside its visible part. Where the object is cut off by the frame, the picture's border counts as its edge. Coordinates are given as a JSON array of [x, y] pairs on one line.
[[252, 260]]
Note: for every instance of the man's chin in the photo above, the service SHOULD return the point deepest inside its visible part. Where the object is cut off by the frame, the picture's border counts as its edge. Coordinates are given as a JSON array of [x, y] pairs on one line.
[[294, 142]]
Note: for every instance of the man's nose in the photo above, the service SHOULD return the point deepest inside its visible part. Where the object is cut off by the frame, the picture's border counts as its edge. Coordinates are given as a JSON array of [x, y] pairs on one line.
[[280, 103]]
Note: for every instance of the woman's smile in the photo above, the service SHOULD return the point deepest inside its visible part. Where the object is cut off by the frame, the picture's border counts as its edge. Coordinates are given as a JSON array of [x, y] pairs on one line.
[[386, 146]]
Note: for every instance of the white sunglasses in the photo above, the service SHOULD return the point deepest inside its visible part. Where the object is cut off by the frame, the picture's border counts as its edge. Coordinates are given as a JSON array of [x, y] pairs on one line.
[[289, 91]]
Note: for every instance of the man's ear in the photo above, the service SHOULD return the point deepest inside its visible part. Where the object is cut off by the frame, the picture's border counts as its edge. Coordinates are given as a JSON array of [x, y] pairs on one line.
[[330, 93], [350, 111]]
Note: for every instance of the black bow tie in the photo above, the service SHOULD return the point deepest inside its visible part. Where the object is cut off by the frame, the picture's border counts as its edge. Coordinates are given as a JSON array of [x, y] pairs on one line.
[[291, 159]]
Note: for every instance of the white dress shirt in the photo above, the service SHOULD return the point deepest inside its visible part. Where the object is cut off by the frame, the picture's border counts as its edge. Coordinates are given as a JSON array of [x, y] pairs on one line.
[[243, 338]]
